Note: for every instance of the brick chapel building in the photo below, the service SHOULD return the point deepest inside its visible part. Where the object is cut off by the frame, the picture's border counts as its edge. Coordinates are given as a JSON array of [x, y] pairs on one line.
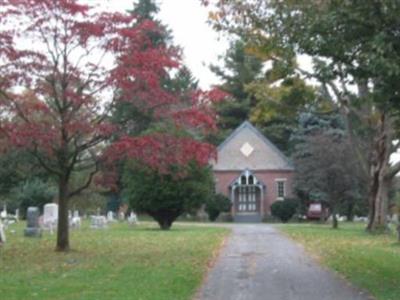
[[252, 172]]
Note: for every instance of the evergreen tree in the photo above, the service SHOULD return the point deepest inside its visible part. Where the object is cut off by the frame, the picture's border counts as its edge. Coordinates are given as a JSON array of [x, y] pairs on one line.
[[166, 197], [240, 69]]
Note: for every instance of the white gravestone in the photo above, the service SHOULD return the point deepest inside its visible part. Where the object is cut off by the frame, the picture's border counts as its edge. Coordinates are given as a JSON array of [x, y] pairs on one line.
[[132, 219], [121, 216], [110, 216], [395, 219], [76, 220], [2, 234], [50, 216], [98, 222], [17, 215], [3, 214]]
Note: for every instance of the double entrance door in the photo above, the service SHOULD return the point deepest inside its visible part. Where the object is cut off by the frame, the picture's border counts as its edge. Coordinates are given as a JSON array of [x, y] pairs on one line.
[[247, 199]]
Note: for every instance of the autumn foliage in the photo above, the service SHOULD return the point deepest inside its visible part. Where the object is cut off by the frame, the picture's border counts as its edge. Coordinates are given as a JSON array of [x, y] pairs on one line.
[[64, 66]]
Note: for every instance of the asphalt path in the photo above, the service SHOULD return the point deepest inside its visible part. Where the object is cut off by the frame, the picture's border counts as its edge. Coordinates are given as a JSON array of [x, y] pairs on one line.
[[260, 263]]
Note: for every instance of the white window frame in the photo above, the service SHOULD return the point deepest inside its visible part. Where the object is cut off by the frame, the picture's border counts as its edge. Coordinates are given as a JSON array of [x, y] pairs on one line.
[[283, 181]]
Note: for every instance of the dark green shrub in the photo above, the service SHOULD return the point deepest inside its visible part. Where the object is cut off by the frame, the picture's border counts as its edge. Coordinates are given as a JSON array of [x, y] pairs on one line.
[[217, 204], [114, 202], [284, 210], [33, 192], [165, 197]]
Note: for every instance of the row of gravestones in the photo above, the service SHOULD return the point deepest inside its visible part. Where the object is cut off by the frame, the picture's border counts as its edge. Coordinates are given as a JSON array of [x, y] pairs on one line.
[[50, 219], [35, 224], [391, 220], [100, 222]]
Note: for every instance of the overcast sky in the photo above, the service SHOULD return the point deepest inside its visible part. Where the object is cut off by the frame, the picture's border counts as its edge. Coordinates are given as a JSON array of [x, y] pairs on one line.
[[188, 21]]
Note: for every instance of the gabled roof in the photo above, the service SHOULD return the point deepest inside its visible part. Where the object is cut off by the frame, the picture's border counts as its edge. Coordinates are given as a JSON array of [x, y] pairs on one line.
[[265, 157]]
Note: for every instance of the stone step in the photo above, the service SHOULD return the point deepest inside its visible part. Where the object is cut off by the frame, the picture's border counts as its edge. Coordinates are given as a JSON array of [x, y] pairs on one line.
[[247, 218]]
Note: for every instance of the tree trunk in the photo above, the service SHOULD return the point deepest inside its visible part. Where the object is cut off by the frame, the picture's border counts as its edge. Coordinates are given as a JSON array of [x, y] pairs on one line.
[[335, 223], [350, 211], [378, 201], [165, 225], [63, 226], [398, 233], [379, 181]]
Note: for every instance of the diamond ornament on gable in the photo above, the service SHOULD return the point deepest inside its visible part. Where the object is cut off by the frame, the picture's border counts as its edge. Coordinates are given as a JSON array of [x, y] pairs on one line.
[[246, 149]]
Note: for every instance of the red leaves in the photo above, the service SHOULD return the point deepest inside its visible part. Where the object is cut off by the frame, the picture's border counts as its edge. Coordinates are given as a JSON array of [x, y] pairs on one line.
[[86, 30], [195, 118], [161, 152], [52, 58], [71, 7]]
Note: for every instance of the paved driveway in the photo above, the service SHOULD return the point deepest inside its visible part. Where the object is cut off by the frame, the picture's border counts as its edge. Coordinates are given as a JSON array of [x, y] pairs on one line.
[[258, 262]]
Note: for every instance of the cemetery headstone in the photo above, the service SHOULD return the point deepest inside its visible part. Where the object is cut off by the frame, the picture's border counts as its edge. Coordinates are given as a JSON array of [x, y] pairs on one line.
[[121, 216], [17, 215], [76, 220], [132, 219], [395, 219], [50, 216], [98, 222], [110, 216], [3, 213], [2, 234], [32, 226]]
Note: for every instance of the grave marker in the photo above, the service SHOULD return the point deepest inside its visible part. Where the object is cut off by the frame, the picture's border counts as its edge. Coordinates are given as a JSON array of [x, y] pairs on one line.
[[32, 226], [2, 234], [50, 216]]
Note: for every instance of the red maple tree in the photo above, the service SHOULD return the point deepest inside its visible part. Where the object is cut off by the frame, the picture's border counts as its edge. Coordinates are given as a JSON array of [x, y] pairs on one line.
[[63, 66]]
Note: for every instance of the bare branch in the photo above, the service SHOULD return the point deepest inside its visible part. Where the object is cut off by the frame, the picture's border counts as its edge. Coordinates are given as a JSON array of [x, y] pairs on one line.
[[45, 165], [87, 183]]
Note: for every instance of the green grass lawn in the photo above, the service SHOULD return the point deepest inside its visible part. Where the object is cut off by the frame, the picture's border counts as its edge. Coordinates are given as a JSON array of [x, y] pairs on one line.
[[369, 261], [120, 262]]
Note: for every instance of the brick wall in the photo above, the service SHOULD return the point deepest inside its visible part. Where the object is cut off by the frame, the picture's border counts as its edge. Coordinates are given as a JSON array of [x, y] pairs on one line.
[[224, 178]]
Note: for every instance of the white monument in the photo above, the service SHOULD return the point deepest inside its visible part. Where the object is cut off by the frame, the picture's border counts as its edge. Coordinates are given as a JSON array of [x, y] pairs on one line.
[[132, 219], [3, 214], [2, 233], [17, 215], [110, 216], [98, 222], [50, 216], [76, 221]]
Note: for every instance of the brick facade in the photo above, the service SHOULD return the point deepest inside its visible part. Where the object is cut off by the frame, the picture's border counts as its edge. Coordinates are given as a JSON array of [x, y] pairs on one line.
[[259, 158], [224, 178]]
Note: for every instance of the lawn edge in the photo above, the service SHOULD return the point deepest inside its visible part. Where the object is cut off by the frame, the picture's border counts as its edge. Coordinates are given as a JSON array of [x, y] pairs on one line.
[[211, 263], [320, 261]]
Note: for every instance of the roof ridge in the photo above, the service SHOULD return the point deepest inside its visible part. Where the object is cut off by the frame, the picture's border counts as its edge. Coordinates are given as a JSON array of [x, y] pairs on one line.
[[247, 124]]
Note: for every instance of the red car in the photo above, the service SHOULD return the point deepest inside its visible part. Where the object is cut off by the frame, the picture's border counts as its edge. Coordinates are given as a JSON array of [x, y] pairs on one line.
[[317, 212]]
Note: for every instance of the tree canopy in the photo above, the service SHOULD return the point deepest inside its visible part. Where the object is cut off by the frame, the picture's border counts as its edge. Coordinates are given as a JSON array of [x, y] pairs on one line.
[[84, 62], [354, 47]]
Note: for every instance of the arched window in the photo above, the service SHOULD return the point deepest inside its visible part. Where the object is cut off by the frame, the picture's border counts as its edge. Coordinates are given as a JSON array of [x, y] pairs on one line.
[[251, 180]]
